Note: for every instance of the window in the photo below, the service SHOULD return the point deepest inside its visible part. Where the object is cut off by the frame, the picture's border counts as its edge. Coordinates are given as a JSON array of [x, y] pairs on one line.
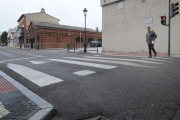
[[27, 40], [78, 40]]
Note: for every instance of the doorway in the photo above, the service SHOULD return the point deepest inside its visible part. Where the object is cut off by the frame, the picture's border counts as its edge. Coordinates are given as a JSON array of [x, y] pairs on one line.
[[32, 43]]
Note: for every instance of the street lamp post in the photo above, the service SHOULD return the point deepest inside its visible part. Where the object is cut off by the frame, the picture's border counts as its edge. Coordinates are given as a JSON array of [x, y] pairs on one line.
[[85, 45]]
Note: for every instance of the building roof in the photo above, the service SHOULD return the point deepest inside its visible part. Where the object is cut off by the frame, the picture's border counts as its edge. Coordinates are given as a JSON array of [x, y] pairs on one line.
[[34, 13], [43, 24]]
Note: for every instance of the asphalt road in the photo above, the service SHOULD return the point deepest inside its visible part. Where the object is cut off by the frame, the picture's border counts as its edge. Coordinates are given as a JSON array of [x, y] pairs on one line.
[[121, 87]]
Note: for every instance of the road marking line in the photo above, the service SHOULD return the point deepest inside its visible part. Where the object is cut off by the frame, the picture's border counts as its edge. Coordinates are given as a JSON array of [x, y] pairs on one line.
[[84, 64], [165, 58], [37, 77], [37, 62], [155, 59], [84, 72], [7, 54], [107, 61], [132, 60], [125, 55], [18, 59]]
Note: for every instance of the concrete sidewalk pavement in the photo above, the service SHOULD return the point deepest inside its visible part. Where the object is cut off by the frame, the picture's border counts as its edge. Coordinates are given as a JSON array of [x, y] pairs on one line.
[[19, 103]]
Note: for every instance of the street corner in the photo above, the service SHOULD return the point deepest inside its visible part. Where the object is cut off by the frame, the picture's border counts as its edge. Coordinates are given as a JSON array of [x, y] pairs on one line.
[[17, 104]]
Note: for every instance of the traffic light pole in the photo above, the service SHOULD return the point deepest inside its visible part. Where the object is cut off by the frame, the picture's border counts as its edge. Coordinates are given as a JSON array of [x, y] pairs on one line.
[[169, 29]]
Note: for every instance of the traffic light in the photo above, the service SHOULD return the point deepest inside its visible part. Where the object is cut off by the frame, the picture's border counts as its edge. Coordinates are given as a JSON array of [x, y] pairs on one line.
[[174, 8], [163, 20]]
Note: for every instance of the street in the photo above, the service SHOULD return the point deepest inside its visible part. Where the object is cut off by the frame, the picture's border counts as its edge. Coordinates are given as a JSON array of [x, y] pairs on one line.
[[82, 86]]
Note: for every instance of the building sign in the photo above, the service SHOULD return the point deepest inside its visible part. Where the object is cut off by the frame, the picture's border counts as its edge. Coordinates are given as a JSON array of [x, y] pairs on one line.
[[148, 20], [120, 5]]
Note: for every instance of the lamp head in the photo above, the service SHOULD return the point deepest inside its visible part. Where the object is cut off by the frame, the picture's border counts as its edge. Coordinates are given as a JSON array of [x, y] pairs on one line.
[[85, 11]]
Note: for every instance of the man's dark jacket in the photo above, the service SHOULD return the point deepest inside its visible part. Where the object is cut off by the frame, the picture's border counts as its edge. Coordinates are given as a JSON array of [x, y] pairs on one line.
[[150, 36]]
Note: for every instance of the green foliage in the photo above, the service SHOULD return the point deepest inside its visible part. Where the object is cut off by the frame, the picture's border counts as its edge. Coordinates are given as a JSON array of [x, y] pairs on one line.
[[4, 37]]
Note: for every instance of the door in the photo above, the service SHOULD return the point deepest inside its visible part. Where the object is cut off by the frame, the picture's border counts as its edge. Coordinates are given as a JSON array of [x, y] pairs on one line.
[[32, 43]]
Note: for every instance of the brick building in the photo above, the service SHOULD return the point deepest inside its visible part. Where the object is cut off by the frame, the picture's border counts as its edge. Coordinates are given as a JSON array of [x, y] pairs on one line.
[[50, 33]]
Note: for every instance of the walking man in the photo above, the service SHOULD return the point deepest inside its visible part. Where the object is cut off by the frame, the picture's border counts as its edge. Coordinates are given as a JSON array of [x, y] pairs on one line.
[[150, 39]]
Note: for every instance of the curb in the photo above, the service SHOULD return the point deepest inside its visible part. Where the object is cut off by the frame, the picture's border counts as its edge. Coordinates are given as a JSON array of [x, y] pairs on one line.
[[47, 110]]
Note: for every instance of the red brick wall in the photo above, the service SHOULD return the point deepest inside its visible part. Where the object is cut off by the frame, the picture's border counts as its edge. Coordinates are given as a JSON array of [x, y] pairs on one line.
[[50, 38]]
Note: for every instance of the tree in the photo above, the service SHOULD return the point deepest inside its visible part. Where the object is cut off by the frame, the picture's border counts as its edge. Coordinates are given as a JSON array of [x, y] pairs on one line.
[[4, 37], [97, 30]]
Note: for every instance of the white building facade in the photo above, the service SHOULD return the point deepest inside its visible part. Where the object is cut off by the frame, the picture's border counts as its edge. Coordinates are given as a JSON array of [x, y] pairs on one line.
[[125, 22], [11, 37]]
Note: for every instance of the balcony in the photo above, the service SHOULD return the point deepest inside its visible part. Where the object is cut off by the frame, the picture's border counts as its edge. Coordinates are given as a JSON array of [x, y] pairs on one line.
[[20, 32]]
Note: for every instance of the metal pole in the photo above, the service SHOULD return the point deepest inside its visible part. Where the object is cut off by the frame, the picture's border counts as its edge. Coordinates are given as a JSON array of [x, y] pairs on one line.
[[41, 39], [97, 48], [69, 35], [85, 37], [80, 39], [169, 29]]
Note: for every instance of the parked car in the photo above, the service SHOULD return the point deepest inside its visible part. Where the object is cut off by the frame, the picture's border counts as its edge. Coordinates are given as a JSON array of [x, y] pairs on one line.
[[3, 44], [95, 43]]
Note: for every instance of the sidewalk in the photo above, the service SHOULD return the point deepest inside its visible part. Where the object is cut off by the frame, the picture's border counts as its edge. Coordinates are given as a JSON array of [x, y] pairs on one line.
[[19, 103], [144, 55], [139, 54]]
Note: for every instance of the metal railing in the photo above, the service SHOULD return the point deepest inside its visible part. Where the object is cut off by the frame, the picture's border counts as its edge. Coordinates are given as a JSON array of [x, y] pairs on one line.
[[46, 46], [73, 47], [28, 46], [54, 46]]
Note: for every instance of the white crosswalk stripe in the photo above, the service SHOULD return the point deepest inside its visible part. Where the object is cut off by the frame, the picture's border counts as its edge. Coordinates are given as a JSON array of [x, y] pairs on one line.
[[39, 78], [18, 59], [108, 61], [84, 72], [131, 60], [37, 62], [165, 58], [85, 64], [151, 59]]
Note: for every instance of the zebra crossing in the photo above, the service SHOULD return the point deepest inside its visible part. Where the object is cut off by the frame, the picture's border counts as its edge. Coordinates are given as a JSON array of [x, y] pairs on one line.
[[85, 63], [39, 78], [97, 62]]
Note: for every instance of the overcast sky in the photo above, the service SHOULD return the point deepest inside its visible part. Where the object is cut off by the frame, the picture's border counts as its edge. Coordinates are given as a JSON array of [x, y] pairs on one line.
[[70, 12]]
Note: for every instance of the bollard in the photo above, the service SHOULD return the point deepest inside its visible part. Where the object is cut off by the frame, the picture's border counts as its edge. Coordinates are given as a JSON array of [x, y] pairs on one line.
[[97, 49]]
